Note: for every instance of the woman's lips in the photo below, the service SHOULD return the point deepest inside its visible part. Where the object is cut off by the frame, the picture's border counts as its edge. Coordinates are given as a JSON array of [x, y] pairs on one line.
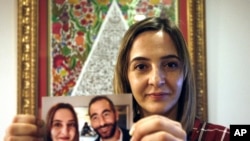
[[64, 138], [158, 96]]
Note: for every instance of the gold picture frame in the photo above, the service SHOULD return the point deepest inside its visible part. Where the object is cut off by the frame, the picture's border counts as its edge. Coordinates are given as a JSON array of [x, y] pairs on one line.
[[27, 46], [28, 54]]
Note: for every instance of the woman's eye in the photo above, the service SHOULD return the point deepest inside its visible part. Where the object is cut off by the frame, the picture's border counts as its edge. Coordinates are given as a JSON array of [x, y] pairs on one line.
[[172, 65], [71, 124], [57, 125], [140, 66]]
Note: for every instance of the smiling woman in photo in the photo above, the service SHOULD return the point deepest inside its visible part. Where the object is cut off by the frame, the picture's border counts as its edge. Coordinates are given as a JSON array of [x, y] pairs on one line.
[[62, 123]]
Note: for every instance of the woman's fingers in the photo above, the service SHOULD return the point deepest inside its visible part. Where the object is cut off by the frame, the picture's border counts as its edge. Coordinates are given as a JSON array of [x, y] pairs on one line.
[[19, 129], [160, 136], [30, 119], [25, 127], [157, 125], [22, 138]]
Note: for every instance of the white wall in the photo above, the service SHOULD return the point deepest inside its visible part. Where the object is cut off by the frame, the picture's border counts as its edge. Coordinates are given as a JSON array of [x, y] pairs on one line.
[[8, 63], [228, 61]]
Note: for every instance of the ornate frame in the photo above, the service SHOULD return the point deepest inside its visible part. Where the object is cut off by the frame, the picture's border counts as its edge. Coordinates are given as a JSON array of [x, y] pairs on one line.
[[28, 54]]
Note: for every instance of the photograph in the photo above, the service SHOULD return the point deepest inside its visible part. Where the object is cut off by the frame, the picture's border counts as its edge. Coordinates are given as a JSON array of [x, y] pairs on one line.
[[122, 103]]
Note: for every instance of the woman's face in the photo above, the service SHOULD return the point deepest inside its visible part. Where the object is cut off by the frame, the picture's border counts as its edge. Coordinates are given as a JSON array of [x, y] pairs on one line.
[[63, 126], [155, 72]]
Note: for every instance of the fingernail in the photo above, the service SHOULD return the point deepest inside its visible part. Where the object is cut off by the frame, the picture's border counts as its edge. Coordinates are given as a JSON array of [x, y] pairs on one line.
[[131, 131]]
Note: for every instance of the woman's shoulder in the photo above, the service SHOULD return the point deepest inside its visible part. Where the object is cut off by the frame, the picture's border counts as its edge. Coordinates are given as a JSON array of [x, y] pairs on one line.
[[205, 131]]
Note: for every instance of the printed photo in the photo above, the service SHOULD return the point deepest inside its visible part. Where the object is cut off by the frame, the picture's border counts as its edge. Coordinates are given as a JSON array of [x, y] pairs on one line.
[[122, 102]]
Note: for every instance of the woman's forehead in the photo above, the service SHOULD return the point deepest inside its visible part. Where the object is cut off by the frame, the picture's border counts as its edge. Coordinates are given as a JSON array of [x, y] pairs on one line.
[[152, 43]]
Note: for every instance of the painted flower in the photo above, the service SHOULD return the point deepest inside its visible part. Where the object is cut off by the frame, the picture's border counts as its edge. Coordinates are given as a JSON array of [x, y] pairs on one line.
[[84, 22], [79, 39], [88, 19], [65, 27], [78, 6], [58, 61], [64, 72], [56, 28], [57, 37], [57, 78]]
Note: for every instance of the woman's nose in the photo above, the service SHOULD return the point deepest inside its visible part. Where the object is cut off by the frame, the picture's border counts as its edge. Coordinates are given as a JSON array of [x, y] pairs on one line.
[[157, 77], [64, 130]]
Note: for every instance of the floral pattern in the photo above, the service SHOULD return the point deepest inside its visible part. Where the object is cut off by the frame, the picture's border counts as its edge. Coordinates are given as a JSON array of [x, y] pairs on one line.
[[74, 26]]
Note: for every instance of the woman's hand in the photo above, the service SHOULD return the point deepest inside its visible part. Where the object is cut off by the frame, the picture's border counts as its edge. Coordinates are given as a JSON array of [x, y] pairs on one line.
[[158, 128], [25, 128]]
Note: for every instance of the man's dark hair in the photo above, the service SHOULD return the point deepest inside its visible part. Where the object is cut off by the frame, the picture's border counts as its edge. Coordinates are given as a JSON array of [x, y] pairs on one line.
[[101, 97]]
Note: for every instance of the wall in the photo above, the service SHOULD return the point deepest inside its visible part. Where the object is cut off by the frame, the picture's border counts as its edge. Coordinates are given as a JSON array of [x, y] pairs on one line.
[[8, 62], [228, 61]]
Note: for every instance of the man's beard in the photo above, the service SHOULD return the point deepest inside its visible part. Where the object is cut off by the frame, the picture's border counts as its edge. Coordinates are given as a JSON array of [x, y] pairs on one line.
[[112, 132]]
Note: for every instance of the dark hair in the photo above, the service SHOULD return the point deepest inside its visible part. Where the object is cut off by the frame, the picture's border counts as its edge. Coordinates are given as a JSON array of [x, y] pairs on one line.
[[51, 114], [101, 97], [187, 101]]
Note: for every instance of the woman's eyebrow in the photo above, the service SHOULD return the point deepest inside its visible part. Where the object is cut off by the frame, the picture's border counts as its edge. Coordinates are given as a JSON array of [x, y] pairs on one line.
[[56, 120], [146, 59], [71, 121], [139, 59], [170, 56]]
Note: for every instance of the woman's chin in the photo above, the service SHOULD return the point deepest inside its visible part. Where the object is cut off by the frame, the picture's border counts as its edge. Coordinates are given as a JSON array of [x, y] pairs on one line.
[[157, 109]]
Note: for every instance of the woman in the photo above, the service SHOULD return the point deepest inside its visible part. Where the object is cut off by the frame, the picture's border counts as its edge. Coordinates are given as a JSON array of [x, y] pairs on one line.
[[153, 64], [62, 123]]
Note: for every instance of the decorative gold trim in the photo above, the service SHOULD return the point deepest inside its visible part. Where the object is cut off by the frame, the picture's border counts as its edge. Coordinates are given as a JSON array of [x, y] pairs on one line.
[[27, 56], [28, 50], [197, 48]]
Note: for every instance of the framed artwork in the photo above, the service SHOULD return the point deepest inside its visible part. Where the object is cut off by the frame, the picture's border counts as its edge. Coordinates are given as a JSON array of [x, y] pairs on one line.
[[83, 40], [123, 105], [57, 38]]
